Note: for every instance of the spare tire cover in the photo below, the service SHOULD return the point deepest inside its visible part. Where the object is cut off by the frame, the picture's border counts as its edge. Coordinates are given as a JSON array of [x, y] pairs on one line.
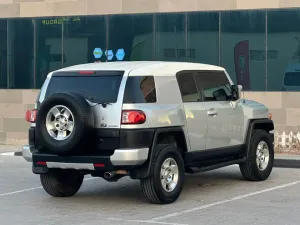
[[64, 122]]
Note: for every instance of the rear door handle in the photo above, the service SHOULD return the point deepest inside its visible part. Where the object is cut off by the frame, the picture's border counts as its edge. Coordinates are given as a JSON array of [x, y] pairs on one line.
[[212, 112]]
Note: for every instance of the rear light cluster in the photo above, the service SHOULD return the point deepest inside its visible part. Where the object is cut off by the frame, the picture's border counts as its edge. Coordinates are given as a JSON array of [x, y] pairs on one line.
[[133, 117], [128, 116], [31, 115]]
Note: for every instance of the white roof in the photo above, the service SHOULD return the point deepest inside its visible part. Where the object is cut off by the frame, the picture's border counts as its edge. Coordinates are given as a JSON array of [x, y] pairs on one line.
[[144, 67]]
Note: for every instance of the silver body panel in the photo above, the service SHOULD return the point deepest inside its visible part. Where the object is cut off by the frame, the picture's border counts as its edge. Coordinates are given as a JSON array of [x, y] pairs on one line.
[[203, 128], [129, 157]]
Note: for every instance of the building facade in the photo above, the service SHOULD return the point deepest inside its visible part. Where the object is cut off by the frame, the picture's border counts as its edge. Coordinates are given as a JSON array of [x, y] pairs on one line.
[[257, 41]]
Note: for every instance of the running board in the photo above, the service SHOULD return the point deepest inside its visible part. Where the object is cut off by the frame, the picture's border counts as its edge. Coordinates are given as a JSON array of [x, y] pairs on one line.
[[193, 170]]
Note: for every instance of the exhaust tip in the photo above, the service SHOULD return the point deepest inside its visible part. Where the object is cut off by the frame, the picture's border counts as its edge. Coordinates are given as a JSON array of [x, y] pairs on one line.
[[108, 175]]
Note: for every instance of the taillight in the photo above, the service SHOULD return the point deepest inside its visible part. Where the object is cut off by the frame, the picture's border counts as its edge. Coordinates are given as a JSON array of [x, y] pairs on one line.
[[31, 115], [133, 117]]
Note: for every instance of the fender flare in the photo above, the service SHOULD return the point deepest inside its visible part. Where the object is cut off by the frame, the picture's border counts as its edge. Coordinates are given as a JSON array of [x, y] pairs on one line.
[[144, 171], [251, 128]]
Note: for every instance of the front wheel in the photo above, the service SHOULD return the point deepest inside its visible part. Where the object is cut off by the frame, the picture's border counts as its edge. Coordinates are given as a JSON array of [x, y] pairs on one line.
[[260, 160], [61, 183], [166, 179]]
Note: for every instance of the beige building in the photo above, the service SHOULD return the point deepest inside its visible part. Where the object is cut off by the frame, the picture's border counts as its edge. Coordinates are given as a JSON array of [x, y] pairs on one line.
[[257, 41]]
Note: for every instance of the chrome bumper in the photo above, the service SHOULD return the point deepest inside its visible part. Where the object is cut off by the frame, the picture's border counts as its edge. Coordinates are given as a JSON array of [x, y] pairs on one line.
[[129, 157], [26, 153], [121, 157]]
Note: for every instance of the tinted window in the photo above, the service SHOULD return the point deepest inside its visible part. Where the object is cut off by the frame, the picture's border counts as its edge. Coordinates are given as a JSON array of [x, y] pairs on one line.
[[20, 53], [96, 89], [188, 87], [130, 38], [170, 37], [84, 40], [48, 37], [214, 85], [140, 89], [203, 37], [243, 48], [3, 54], [284, 42]]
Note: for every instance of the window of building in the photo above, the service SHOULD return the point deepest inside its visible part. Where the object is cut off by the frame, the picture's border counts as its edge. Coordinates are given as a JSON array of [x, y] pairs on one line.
[[140, 89], [3, 54], [203, 37], [187, 86], [170, 37], [130, 38], [20, 51], [84, 40], [283, 50], [48, 38], [243, 48], [214, 85]]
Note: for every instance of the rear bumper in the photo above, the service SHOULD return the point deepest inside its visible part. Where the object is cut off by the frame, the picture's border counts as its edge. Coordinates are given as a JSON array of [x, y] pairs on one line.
[[27, 153], [120, 158]]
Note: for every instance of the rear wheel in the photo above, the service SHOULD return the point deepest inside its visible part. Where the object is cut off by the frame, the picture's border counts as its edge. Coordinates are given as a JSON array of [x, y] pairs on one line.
[[61, 183], [166, 179], [259, 164]]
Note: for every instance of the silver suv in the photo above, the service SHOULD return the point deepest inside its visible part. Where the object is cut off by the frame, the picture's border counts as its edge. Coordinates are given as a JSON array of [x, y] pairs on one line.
[[152, 121]]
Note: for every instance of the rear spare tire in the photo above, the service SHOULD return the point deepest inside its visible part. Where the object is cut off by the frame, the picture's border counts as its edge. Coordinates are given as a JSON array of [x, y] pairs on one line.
[[64, 122]]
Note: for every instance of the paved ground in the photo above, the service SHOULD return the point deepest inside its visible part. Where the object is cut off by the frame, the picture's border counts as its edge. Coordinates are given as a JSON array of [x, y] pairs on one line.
[[216, 197]]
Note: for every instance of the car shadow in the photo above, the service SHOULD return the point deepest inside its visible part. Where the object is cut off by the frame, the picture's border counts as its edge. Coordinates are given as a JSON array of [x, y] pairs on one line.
[[127, 191]]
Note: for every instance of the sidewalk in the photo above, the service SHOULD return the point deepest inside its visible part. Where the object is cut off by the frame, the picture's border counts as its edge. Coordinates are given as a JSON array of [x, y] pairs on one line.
[[10, 148]]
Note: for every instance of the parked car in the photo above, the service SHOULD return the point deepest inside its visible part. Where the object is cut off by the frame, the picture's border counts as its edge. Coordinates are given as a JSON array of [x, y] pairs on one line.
[[152, 121]]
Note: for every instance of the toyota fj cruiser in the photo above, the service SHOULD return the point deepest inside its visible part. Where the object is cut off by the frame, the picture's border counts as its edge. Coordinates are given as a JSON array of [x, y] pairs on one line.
[[152, 121]]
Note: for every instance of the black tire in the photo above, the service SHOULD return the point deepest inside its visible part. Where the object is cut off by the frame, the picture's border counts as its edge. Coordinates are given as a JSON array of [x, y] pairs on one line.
[[249, 169], [61, 183], [152, 187], [84, 122]]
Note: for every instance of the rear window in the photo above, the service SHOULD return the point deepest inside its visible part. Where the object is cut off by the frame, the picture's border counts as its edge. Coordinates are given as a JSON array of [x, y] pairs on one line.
[[95, 88], [140, 89], [292, 79]]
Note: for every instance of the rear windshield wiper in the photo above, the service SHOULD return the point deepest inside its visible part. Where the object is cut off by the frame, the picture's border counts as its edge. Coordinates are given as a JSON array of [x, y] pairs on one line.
[[104, 104]]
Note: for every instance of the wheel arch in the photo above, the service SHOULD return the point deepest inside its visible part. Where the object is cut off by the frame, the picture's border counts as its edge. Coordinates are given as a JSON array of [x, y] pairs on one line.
[[161, 136], [255, 124], [174, 135]]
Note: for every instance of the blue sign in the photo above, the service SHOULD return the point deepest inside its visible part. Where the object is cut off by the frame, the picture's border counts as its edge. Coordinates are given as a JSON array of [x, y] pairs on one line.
[[109, 54], [98, 53], [120, 54]]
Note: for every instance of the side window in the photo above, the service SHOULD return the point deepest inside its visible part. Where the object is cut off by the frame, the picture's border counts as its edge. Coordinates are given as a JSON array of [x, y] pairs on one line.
[[214, 85], [140, 89], [187, 86]]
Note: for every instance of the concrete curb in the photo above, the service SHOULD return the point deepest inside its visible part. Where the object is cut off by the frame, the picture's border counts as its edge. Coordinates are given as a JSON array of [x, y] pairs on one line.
[[11, 154], [287, 161]]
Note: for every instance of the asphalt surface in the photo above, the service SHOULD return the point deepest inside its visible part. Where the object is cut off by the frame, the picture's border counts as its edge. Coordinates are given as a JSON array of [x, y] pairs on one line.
[[215, 197]]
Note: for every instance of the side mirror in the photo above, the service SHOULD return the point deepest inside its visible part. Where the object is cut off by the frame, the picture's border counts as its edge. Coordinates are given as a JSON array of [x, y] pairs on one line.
[[236, 91]]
